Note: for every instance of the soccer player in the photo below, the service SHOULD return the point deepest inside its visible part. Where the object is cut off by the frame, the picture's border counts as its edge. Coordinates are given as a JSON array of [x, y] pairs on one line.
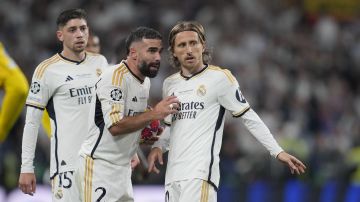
[[117, 118], [93, 46], [205, 93], [16, 87], [64, 85]]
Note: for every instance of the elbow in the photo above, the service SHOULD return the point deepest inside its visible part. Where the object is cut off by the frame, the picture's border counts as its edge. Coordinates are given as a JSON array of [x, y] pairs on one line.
[[115, 130], [22, 88], [20, 91], [20, 84], [23, 91]]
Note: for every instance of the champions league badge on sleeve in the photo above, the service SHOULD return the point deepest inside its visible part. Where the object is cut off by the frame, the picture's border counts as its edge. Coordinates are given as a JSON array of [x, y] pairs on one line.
[[239, 96], [116, 94], [35, 87]]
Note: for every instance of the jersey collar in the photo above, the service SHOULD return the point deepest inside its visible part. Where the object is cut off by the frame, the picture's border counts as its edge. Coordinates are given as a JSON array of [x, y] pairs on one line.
[[73, 61], [132, 73], [197, 73]]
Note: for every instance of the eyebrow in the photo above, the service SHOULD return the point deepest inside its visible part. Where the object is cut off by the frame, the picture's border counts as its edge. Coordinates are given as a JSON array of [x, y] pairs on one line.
[[154, 48], [75, 26]]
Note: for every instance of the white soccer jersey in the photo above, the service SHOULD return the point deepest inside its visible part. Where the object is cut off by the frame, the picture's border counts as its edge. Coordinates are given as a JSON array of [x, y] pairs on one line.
[[197, 129], [119, 93], [65, 88]]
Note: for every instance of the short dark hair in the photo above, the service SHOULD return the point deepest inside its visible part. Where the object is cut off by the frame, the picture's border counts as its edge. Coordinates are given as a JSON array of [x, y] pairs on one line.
[[65, 16], [139, 34]]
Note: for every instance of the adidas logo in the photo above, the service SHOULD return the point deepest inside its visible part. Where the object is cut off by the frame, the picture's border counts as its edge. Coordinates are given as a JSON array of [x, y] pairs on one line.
[[134, 99], [63, 163], [69, 78]]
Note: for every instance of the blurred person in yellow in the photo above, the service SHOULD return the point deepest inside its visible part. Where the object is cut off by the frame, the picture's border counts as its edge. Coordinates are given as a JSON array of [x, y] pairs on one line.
[[15, 86]]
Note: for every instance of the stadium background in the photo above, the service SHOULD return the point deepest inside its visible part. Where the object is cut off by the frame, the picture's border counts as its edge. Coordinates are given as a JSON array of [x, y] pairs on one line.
[[298, 64]]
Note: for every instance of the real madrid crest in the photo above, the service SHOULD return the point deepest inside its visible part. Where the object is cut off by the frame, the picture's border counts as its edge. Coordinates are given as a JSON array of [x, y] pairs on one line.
[[201, 91], [98, 72], [59, 194]]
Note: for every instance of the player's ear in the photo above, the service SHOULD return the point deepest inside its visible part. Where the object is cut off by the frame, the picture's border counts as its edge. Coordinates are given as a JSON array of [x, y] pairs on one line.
[[59, 35], [132, 53]]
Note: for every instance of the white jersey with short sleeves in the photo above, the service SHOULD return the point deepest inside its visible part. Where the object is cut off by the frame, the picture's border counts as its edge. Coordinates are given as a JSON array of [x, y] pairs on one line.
[[119, 93], [65, 88], [197, 129]]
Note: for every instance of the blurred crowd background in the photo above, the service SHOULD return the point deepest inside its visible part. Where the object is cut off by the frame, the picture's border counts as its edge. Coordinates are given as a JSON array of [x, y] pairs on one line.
[[297, 62]]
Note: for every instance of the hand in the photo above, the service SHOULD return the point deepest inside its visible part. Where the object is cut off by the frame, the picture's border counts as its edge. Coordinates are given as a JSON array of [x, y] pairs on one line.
[[165, 107], [135, 161], [293, 163], [27, 183], [151, 140], [155, 154]]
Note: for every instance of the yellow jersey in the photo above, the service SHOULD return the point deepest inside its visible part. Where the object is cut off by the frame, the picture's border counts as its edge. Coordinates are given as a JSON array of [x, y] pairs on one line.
[[14, 84]]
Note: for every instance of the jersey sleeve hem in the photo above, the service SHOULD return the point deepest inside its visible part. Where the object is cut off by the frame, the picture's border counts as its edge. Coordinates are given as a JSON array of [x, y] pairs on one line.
[[35, 105], [239, 114], [167, 123], [276, 152], [27, 169]]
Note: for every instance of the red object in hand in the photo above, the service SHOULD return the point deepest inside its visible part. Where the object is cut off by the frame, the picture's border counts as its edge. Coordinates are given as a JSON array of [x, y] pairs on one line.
[[151, 130], [146, 133], [154, 126]]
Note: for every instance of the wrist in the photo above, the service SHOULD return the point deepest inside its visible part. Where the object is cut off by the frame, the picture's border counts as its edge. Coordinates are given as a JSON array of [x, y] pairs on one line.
[[151, 115], [27, 170], [277, 156]]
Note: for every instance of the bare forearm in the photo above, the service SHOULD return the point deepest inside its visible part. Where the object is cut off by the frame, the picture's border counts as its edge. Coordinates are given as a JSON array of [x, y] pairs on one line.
[[131, 123]]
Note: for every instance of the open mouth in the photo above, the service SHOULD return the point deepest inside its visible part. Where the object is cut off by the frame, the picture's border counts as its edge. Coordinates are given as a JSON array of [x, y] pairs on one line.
[[80, 43], [154, 66], [190, 59]]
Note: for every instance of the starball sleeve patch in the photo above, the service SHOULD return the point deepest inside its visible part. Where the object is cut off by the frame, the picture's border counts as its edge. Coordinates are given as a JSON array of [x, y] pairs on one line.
[[116, 94], [35, 87]]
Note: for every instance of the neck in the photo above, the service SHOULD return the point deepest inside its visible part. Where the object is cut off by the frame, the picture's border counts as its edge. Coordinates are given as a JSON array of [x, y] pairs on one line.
[[133, 67], [76, 56], [188, 71]]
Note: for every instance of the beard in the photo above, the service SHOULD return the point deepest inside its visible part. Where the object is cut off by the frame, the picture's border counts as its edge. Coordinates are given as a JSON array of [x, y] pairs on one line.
[[146, 70], [78, 49]]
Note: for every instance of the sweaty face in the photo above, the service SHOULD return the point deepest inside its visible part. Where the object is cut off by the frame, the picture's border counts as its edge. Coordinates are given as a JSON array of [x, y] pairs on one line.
[[149, 57], [188, 50], [74, 35]]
